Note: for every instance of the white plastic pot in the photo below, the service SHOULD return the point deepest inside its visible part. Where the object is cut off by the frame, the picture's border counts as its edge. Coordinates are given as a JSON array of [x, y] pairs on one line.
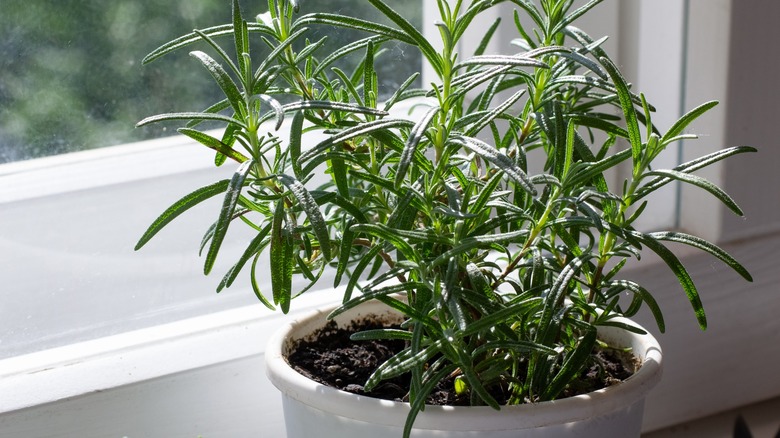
[[313, 410]]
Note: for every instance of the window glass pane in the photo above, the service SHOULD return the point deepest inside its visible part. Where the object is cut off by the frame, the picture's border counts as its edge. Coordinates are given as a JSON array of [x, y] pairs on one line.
[[71, 77]]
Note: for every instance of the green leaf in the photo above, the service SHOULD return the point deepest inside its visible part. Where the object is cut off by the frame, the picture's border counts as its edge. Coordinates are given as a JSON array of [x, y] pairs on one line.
[[229, 139], [213, 143], [692, 166], [503, 162], [281, 258], [575, 361], [252, 250], [530, 8], [209, 234], [277, 108], [359, 269], [701, 183], [180, 207], [354, 23], [503, 60], [381, 334], [470, 243], [575, 15], [571, 132], [468, 81], [589, 81], [332, 106], [600, 124], [339, 172], [239, 37], [697, 242], [350, 133], [224, 81], [266, 65], [347, 240], [213, 109], [190, 116], [487, 192], [517, 346], [463, 22], [627, 104], [415, 346], [680, 125], [402, 363], [553, 299], [190, 38], [464, 362], [323, 198], [309, 205], [411, 236], [369, 77], [514, 310], [586, 62], [256, 287], [500, 110], [296, 139], [228, 206], [418, 404], [417, 134], [679, 271], [379, 292], [389, 235], [345, 50], [525, 42], [479, 283], [400, 92], [644, 295], [306, 54], [450, 295], [349, 85]]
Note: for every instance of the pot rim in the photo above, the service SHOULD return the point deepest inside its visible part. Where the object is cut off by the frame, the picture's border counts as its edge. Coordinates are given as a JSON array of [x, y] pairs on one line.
[[478, 418]]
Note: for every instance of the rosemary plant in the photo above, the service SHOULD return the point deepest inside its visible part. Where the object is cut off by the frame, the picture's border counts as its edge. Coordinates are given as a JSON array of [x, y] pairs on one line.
[[503, 274]]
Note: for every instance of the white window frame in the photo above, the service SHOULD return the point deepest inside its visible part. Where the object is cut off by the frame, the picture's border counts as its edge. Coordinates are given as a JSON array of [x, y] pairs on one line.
[[47, 390]]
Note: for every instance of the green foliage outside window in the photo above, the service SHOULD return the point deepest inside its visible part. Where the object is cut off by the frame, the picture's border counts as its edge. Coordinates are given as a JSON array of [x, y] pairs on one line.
[[71, 77]]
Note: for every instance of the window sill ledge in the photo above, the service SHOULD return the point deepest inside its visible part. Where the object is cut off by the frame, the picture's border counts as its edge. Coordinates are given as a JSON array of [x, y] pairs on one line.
[[75, 171], [102, 364]]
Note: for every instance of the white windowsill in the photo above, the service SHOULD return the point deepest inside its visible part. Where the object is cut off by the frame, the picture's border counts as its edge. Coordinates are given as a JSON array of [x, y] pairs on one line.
[[89, 367], [101, 167]]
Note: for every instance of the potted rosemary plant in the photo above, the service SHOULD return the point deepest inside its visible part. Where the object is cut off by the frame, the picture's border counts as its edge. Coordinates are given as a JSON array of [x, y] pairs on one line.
[[483, 224]]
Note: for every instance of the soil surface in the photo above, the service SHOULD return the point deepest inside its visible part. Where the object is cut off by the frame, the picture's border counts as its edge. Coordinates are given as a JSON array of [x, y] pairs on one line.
[[336, 361]]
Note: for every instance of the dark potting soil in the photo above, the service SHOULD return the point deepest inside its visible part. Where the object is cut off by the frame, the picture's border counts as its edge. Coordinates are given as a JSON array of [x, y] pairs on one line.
[[332, 359]]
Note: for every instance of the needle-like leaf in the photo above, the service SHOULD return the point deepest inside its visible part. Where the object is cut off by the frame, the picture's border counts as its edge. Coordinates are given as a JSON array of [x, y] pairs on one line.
[[679, 270], [500, 160], [629, 112], [180, 207], [281, 258], [224, 81], [225, 216], [415, 137], [309, 205]]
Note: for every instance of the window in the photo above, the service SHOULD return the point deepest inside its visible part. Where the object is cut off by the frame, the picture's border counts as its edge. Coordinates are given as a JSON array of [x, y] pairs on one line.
[[73, 81], [72, 75]]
